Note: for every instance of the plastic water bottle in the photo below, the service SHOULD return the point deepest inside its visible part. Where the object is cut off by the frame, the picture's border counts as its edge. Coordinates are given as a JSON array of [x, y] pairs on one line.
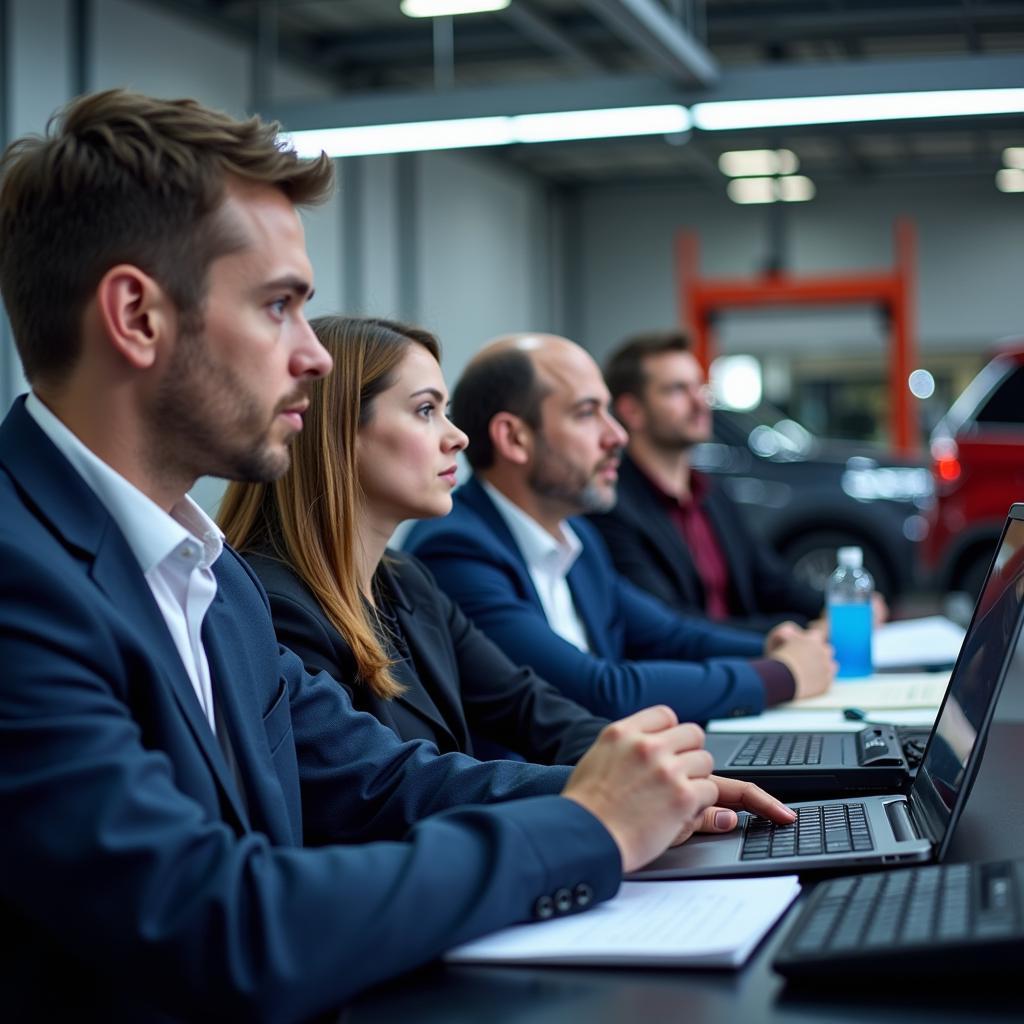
[[848, 595]]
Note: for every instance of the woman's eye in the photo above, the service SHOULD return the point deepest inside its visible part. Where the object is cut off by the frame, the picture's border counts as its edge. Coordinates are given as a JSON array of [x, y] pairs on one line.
[[426, 410], [279, 306]]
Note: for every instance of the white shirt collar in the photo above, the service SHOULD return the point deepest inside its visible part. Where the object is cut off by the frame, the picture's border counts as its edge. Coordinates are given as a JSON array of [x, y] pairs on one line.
[[539, 549], [151, 533]]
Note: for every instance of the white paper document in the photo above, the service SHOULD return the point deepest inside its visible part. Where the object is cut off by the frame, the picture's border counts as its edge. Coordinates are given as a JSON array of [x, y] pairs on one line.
[[879, 693], [933, 641], [677, 924], [821, 720]]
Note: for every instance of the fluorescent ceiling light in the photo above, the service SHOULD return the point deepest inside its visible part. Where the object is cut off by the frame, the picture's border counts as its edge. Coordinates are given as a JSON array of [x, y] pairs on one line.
[[1010, 179], [461, 133], [794, 188], [440, 8], [1013, 156], [667, 119], [752, 163], [736, 114], [402, 138], [751, 190]]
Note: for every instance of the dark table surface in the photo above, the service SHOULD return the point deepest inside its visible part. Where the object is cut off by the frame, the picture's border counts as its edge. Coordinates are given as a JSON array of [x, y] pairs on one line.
[[991, 828]]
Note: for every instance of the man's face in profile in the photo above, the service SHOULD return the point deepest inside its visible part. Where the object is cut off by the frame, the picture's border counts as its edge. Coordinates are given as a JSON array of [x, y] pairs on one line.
[[676, 402], [233, 393], [576, 449]]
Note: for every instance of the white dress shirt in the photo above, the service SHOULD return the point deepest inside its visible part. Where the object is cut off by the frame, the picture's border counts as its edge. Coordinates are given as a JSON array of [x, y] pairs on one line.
[[175, 552], [548, 562]]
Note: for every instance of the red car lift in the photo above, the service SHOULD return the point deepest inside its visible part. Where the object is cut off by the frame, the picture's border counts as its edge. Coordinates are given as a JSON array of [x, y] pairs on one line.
[[700, 299]]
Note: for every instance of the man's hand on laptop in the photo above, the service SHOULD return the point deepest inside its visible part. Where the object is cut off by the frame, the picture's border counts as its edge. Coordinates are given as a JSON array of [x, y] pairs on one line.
[[735, 795], [647, 780], [807, 655]]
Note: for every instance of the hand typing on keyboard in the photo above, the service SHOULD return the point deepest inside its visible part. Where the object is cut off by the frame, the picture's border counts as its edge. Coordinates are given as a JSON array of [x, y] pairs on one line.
[[648, 780]]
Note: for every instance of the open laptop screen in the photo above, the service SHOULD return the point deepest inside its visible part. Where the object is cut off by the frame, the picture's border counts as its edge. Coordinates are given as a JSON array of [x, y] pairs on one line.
[[958, 738]]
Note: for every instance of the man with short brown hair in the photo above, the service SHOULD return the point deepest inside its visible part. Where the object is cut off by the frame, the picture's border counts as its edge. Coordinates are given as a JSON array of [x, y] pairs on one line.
[[194, 827], [672, 531]]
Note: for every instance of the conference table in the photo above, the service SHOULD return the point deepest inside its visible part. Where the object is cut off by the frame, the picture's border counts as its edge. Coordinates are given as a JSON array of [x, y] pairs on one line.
[[992, 828]]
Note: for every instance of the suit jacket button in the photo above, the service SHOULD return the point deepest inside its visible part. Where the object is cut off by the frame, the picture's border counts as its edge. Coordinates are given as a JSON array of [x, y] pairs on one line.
[[563, 901], [544, 908], [583, 895]]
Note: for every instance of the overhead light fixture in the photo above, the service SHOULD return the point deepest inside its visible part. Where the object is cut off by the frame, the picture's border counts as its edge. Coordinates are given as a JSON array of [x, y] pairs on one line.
[[442, 8], [1013, 156], [742, 114], [793, 188], [1010, 179], [467, 132], [753, 163], [751, 190]]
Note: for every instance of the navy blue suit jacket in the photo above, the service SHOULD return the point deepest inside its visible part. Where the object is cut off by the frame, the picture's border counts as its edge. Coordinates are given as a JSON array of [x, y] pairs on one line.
[[641, 653], [138, 882]]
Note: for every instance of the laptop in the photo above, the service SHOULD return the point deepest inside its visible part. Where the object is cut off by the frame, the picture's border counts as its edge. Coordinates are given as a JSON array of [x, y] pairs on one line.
[[800, 765], [893, 828], [947, 920]]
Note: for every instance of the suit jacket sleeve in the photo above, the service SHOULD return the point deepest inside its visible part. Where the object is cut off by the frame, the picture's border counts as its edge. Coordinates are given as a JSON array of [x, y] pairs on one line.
[[481, 578], [112, 864], [505, 702]]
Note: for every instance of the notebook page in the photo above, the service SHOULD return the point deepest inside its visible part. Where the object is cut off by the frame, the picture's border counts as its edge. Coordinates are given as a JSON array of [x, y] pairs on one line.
[[698, 924]]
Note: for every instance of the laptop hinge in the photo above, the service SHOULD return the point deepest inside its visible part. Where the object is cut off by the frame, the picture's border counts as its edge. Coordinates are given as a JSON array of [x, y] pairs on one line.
[[900, 821]]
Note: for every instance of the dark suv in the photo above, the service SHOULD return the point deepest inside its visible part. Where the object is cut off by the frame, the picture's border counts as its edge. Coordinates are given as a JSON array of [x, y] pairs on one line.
[[807, 496], [978, 462]]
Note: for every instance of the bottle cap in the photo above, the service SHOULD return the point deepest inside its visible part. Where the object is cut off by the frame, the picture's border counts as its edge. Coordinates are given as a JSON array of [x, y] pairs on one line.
[[851, 558]]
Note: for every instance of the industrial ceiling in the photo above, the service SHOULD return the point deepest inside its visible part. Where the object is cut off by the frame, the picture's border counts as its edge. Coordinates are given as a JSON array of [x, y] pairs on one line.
[[614, 51]]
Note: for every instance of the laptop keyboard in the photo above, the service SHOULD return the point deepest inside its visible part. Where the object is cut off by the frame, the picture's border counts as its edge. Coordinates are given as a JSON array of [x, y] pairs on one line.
[[872, 914], [794, 748], [819, 828]]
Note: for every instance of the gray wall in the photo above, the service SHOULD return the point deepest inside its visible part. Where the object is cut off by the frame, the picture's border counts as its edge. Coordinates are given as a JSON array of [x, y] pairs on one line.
[[970, 271]]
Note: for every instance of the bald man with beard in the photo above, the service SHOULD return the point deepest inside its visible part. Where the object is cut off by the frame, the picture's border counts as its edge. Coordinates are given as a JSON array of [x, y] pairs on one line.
[[545, 449]]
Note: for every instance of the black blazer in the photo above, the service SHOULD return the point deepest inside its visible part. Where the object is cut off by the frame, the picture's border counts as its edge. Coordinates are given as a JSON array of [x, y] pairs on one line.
[[465, 683], [647, 548]]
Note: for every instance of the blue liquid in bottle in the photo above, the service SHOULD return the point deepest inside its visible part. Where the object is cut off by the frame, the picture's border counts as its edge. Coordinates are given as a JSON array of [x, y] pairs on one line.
[[849, 628]]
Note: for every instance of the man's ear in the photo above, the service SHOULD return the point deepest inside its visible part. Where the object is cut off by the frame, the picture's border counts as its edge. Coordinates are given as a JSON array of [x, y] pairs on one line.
[[135, 312], [629, 411], [511, 438]]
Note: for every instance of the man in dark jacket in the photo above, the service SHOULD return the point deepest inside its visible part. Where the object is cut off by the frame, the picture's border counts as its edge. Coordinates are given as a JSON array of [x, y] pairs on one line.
[[672, 532]]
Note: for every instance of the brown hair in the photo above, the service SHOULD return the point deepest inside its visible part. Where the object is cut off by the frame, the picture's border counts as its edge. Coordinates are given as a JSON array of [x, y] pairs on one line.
[[624, 368], [125, 178], [307, 517], [501, 381]]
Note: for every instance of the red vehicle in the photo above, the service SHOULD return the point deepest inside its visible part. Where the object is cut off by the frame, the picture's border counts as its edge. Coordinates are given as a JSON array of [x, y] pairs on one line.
[[978, 462]]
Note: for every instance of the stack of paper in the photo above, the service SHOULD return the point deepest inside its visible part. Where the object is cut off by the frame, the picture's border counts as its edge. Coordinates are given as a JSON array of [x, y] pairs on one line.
[[931, 642], [880, 693], [680, 924]]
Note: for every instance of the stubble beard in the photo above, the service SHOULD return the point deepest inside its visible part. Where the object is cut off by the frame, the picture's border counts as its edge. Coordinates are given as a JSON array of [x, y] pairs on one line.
[[675, 440], [554, 477], [204, 422]]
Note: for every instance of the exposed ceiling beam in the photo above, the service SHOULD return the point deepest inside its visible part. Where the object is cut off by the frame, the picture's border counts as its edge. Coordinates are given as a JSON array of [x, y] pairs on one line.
[[648, 27], [874, 23], [548, 35], [833, 78]]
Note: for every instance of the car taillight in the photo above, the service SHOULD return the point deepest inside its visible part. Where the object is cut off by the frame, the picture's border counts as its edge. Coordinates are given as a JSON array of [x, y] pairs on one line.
[[946, 462]]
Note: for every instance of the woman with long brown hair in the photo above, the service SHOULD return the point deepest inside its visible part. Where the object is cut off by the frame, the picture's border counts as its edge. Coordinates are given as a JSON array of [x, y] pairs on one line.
[[377, 449]]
